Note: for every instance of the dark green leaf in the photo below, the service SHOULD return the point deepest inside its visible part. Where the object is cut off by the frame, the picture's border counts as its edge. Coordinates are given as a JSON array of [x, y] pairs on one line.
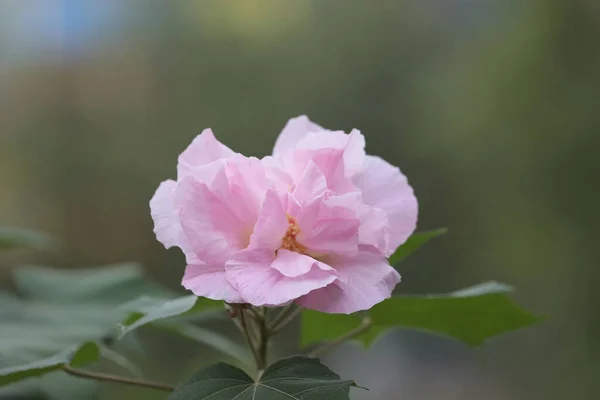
[[159, 310], [16, 238], [295, 378], [471, 315], [413, 243], [85, 354]]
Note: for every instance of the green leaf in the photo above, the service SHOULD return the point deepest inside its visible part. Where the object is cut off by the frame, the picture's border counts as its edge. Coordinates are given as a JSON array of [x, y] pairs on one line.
[[414, 243], [295, 378], [16, 238], [317, 326], [161, 309], [471, 315], [112, 284], [85, 354], [61, 309]]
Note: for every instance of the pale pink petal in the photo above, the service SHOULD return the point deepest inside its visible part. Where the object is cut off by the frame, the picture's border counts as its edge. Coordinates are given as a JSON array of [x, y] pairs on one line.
[[218, 220], [294, 131], [352, 146], [293, 265], [335, 235], [210, 281], [374, 229], [204, 149], [259, 284], [369, 280], [385, 187], [272, 223], [166, 220], [312, 184]]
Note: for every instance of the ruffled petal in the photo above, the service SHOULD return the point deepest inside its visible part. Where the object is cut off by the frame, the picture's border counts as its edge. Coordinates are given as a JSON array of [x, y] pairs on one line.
[[383, 186], [219, 219], [210, 281], [294, 131], [272, 223], [369, 280], [252, 274], [166, 220], [204, 149]]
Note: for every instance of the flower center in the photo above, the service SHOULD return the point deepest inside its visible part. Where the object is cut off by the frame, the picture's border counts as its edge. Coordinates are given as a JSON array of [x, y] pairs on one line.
[[289, 241]]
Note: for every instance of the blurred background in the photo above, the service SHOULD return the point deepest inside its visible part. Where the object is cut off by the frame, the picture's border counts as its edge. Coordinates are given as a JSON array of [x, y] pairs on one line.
[[490, 107]]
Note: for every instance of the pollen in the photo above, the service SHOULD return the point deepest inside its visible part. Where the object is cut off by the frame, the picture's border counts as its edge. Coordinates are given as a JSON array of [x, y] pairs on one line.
[[290, 239]]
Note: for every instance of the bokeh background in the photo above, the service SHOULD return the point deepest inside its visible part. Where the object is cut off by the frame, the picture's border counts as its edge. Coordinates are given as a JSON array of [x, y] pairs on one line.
[[490, 107]]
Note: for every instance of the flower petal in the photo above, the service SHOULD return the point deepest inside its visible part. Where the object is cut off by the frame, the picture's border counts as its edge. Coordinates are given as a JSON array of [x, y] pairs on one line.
[[369, 280], [312, 184], [252, 273], [383, 186], [352, 146], [272, 223], [204, 149], [294, 131], [219, 219], [162, 208], [210, 281]]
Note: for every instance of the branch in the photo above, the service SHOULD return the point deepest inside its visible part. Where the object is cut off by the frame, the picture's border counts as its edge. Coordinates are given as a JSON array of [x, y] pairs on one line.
[[117, 379], [366, 324]]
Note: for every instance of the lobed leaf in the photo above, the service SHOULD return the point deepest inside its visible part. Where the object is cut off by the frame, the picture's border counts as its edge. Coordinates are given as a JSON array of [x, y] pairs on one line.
[[295, 378], [413, 243]]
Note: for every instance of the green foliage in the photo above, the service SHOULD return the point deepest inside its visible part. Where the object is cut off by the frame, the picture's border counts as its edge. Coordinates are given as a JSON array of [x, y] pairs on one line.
[[471, 315], [162, 314], [84, 354], [61, 309], [159, 309], [414, 243], [16, 238], [299, 378]]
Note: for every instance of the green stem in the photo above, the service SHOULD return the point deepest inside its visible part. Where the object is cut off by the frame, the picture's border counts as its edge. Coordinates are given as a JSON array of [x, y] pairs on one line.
[[366, 324], [275, 328], [246, 330], [118, 379]]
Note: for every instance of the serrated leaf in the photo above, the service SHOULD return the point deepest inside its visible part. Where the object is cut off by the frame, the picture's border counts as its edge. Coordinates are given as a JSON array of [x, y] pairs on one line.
[[84, 354], [471, 315], [413, 243], [160, 310], [16, 238], [295, 378]]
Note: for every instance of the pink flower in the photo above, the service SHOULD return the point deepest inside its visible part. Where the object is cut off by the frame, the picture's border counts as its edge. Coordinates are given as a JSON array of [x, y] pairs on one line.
[[313, 224]]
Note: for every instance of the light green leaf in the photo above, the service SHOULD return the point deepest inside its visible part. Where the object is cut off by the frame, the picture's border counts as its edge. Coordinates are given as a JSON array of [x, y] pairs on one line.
[[84, 354], [159, 310], [471, 315], [16, 238], [295, 378], [414, 243]]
